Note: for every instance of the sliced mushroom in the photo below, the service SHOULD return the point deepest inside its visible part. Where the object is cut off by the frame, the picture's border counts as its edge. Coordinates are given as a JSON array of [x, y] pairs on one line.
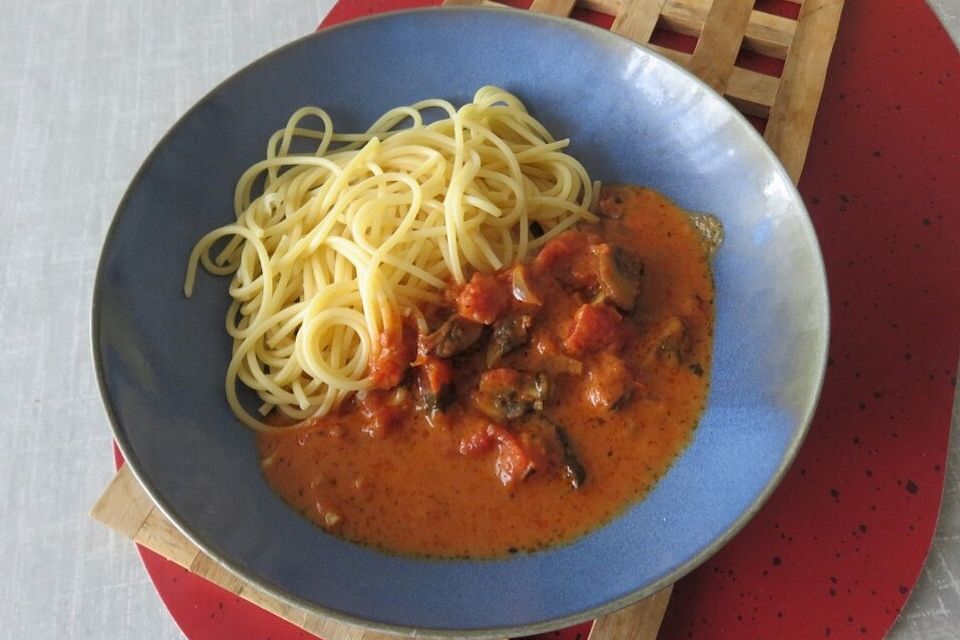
[[435, 405], [571, 468], [618, 276], [507, 394], [518, 455], [508, 334], [453, 337], [435, 384]]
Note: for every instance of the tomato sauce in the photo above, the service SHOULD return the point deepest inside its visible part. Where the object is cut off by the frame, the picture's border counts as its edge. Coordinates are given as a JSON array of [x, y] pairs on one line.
[[553, 396]]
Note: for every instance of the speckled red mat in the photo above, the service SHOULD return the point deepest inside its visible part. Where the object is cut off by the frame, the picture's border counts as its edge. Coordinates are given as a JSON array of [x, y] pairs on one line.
[[839, 546]]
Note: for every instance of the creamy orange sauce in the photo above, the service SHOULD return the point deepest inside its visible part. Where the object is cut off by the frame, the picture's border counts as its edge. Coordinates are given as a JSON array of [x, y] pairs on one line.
[[411, 490]]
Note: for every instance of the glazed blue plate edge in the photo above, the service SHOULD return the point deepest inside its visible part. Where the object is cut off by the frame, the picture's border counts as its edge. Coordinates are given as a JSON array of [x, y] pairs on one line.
[[278, 592]]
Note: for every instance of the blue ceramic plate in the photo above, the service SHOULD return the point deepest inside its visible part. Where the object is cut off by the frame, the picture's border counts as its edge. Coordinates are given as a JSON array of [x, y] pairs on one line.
[[633, 117]]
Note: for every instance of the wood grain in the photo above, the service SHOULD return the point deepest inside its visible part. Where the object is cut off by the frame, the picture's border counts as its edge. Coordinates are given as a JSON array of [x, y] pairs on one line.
[[766, 33], [719, 43], [124, 505], [801, 85], [640, 621], [751, 92], [474, 3], [159, 534], [636, 19], [769, 35], [553, 7]]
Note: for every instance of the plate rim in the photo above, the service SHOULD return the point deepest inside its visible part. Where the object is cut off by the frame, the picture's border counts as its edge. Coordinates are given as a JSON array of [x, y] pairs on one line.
[[290, 599]]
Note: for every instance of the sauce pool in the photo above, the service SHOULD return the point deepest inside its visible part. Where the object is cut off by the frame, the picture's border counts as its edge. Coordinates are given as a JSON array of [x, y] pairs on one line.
[[620, 386]]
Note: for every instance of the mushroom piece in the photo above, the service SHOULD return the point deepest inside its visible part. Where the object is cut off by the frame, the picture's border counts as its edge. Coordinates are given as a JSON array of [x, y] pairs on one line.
[[609, 383], [618, 276], [508, 333], [507, 394], [435, 383], [453, 337], [571, 469], [570, 466]]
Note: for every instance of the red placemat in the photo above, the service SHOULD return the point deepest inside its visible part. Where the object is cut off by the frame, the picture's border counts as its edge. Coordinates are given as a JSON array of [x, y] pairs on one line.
[[839, 546]]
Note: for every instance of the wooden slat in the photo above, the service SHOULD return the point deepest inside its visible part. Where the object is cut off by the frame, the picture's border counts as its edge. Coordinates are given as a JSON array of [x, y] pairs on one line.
[[609, 7], [634, 622], [719, 43], [327, 628], [680, 57], [330, 629], [473, 3], [686, 17], [206, 567], [801, 85], [769, 35], [124, 505], [752, 92], [766, 33], [553, 7], [637, 19], [294, 615], [158, 534], [127, 509]]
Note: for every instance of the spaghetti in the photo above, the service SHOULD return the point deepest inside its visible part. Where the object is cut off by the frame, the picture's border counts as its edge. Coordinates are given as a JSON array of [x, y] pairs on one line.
[[344, 242]]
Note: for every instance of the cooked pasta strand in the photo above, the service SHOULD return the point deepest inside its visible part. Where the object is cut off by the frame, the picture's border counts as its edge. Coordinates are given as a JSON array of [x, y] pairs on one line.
[[345, 240]]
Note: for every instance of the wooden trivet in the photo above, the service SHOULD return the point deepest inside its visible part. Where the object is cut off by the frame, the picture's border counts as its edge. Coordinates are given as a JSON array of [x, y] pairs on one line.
[[724, 27], [788, 103], [126, 508]]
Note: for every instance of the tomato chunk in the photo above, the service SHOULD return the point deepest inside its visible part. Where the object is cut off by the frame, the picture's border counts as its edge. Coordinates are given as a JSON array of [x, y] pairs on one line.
[[582, 262], [398, 348], [609, 383], [483, 298], [514, 463], [380, 414], [436, 374], [476, 443], [507, 394], [595, 327], [558, 251]]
